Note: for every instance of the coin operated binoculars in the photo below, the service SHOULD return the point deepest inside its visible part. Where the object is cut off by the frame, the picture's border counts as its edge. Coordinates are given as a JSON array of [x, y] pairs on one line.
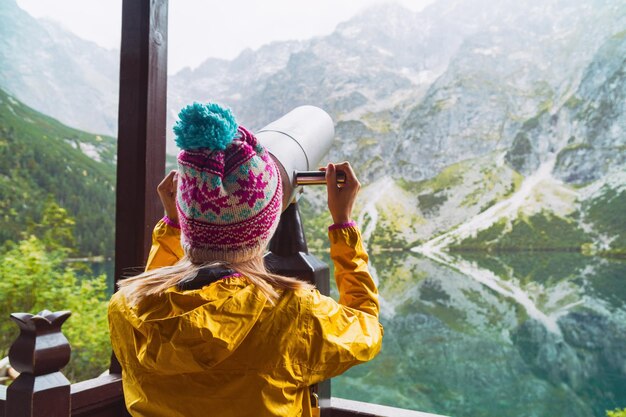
[[297, 142]]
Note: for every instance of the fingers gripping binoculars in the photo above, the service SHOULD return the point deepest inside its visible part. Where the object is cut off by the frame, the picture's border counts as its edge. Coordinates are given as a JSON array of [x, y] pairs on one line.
[[297, 142]]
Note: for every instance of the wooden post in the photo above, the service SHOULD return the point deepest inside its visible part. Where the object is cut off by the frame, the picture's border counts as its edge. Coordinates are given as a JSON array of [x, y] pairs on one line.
[[289, 255], [141, 133], [141, 137], [39, 353]]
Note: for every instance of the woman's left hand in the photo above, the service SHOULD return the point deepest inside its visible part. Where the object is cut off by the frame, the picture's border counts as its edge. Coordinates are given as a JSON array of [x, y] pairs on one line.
[[167, 194]]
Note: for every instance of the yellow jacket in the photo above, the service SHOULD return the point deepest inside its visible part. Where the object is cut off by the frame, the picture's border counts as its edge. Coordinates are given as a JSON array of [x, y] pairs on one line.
[[224, 350]]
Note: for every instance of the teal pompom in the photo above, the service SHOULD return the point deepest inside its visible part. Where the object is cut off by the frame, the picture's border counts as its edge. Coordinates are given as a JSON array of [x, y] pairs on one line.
[[208, 126]]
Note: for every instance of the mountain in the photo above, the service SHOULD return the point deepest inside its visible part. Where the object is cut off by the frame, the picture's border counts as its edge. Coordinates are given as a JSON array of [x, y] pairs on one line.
[[457, 79], [597, 142], [40, 157], [57, 73], [520, 65], [471, 115], [517, 145], [574, 164], [385, 56]]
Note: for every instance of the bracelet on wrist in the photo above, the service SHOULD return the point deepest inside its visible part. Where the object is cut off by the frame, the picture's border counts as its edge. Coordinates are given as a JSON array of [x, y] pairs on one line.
[[170, 222], [342, 225]]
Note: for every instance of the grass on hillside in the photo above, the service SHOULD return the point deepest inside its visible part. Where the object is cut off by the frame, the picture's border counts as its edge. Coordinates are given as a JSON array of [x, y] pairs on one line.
[[39, 159]]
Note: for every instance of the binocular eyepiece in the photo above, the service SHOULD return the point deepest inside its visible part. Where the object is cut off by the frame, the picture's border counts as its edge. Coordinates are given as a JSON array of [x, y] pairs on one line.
[[316, 177]]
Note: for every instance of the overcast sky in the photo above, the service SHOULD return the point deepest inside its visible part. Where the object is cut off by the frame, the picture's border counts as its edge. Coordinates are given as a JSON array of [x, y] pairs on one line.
[[199, 29]]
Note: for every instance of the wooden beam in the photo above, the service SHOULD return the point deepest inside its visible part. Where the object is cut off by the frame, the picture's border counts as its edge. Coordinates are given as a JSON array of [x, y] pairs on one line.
[[102, 397], [141, 132], [349, 408]]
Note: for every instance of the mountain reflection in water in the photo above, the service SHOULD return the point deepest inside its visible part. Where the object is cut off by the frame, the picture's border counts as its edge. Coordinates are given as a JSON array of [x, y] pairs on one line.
[[457, 346]]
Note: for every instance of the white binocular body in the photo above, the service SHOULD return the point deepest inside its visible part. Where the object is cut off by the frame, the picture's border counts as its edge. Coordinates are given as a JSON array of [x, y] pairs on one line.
[[298, 141]]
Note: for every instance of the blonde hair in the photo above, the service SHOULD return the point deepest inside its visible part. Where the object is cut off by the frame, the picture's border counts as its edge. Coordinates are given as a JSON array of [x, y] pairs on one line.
[[157, 281]]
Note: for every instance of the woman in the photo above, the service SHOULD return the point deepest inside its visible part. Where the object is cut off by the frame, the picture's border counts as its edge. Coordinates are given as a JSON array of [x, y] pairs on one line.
[[207, 330]]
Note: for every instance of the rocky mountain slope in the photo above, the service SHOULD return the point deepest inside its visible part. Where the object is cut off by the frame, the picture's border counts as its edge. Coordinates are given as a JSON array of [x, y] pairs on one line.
[[57, 73], [572, 156], [512, 110], [458, 109]]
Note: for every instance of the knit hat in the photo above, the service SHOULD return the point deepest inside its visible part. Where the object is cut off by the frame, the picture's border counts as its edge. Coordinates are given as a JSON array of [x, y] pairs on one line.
[[229, 190]]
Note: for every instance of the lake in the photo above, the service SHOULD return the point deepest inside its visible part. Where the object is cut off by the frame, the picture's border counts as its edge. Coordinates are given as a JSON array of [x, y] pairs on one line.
[[523, 334]]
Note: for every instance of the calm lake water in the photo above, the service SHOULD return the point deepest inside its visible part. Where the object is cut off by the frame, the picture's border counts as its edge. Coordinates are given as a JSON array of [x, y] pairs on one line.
[[524, 335]]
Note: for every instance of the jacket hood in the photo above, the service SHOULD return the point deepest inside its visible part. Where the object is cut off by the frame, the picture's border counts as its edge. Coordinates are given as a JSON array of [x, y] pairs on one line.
[[191, 331]]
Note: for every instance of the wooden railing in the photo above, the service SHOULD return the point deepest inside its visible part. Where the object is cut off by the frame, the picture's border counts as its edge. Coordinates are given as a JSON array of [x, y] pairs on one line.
[[38, 354]]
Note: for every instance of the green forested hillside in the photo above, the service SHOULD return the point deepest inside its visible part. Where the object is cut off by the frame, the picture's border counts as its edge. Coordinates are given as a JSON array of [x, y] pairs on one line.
[[41, 159]]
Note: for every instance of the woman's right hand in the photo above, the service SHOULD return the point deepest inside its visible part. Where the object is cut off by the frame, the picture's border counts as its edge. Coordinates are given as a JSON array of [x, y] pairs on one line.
[[167, 193], [341, 197]]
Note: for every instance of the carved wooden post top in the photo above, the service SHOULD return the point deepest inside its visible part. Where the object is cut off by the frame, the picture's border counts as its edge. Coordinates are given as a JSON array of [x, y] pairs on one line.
[[40, 348]]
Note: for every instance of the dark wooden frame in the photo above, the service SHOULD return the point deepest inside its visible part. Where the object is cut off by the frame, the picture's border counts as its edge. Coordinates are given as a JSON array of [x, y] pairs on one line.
[[141, 132]]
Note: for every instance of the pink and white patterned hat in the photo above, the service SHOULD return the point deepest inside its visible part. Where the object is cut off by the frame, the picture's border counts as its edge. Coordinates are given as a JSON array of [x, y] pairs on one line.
[[229, 196]]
